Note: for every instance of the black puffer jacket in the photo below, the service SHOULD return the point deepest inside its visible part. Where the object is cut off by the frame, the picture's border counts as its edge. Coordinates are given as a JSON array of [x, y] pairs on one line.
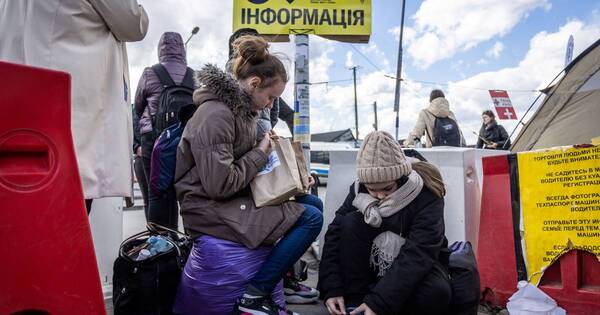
[[421, 223], [494, 133]]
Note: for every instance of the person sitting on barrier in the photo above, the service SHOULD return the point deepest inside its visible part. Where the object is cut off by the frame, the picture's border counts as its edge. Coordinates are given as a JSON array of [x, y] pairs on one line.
[[492, 135], [385, 251], [218, 158]]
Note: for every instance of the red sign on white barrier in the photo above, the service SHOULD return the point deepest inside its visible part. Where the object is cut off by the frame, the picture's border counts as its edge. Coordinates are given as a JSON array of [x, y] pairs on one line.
[[503, 105]]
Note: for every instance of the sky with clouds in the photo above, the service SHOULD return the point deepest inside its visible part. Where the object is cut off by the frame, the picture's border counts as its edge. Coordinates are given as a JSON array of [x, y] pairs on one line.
[[463, 47]]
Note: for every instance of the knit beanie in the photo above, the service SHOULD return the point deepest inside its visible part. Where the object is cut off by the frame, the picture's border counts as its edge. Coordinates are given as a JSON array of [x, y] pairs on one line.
[[380, 159]]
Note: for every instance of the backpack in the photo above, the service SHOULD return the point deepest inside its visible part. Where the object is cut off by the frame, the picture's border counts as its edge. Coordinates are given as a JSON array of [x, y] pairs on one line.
[[149, 286], [445, 132], [164, 154], [464, 279], [172, 98]]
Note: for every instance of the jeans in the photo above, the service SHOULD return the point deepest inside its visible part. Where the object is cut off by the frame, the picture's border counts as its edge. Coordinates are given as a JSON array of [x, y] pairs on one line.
[[289, 249], [310, 200]]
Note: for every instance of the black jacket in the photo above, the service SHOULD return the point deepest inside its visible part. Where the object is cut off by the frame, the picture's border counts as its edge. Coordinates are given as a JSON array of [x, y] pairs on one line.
[[494, 133], [421, 223]]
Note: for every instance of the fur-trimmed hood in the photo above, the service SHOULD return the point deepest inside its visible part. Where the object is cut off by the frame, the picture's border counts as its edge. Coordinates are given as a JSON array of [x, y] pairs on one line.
[[216, 84], [439, 107]]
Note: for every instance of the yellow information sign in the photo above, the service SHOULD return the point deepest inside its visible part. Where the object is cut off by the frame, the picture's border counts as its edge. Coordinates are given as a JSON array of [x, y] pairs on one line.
[[560, 205], [319, 17]]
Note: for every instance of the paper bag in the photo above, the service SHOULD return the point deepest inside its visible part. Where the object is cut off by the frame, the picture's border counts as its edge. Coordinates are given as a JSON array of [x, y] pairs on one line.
[[301, 162], [279, 180]]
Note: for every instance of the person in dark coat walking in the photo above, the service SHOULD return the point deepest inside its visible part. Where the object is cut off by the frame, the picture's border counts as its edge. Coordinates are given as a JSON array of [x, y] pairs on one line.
[[492, 135], [385, 252], [171, 54]]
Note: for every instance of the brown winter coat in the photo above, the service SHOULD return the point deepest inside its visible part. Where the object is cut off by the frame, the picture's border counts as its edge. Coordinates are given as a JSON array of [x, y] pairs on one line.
[[439, 107], [217, 159]]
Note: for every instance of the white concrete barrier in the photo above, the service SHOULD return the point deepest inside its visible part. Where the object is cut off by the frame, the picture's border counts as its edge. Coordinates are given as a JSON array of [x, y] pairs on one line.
[[106, 220], [462, 173]]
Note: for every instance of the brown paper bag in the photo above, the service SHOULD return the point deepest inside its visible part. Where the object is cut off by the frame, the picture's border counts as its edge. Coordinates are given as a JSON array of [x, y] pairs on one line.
[[301, 162], [279, 180]]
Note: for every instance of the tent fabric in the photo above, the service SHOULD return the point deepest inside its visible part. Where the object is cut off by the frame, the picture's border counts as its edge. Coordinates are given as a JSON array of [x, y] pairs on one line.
[[570, 114]]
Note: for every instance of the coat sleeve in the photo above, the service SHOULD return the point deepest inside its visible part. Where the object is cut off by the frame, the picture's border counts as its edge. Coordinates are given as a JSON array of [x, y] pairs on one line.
[[274, 114], [221, 175], [415, 260], [137, 139], [331, 283], [419, 129], [503, 136], [126, 19], [140, 102]]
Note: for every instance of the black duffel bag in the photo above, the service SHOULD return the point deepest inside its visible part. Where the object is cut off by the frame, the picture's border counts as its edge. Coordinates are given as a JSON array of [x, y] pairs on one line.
[[464, 279], [149, 286]]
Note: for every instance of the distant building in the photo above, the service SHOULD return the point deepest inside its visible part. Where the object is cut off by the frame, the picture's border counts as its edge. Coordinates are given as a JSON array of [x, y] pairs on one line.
[[333, 136]]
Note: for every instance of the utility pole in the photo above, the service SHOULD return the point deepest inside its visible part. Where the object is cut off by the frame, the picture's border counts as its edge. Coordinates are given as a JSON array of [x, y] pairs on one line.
[[399, 73], [355, 103], [375, 125], [301, 95]]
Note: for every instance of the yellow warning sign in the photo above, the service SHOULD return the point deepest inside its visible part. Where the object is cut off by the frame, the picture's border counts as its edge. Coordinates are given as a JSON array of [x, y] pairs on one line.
[[319, 17], [560, 205]]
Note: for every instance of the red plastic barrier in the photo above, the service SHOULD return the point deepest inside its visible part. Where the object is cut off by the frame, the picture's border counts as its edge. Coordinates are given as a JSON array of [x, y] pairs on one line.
[[48, 259], [496, 247], [573, 281]]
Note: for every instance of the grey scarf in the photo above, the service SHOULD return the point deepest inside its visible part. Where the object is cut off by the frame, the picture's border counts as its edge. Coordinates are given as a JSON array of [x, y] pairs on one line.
[[386, 245]]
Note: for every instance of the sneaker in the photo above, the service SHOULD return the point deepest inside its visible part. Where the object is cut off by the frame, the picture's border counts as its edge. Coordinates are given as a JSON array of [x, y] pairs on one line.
[[259, 306], [297, 293]]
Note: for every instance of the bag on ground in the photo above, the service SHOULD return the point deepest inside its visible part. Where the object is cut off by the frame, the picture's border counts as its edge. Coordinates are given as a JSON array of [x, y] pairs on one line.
[[279, 180], [173, 97], [464, 279], [445, 132], [216, 276], [146, 277]]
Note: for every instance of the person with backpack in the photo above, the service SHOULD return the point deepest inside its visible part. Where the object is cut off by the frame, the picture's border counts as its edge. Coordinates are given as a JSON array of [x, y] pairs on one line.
[[385, 251], [219, 156], [437, 123], [162, 90], [491, 135]]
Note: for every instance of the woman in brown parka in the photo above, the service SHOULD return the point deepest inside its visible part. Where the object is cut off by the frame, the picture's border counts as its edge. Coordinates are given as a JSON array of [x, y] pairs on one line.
[[218, 158]]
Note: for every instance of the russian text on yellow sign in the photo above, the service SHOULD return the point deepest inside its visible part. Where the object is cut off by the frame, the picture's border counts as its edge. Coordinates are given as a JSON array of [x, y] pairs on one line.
[[319, 17], [560, 205]]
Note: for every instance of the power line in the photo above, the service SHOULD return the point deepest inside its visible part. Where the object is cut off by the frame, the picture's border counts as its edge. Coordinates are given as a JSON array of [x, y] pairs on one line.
[[431, 82], [366, 58]]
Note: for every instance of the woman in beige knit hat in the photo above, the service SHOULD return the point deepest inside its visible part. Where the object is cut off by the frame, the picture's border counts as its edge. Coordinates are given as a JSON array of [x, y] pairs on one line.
[[385, 252]]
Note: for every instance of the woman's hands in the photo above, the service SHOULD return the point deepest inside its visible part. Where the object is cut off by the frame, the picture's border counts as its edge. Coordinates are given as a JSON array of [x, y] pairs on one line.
[[335, 305], [265, 144], [363, 309]]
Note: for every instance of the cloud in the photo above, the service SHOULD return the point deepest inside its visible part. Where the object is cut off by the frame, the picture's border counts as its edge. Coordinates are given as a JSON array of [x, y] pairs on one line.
[[495, 51], [443, 28], [542, 62], [349, 61], [333, 109]]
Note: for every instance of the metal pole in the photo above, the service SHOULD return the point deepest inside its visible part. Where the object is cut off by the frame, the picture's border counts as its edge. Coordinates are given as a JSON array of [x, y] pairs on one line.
[[301, 95], [355, 102], [194, 32], [375, 111], [399, 73]]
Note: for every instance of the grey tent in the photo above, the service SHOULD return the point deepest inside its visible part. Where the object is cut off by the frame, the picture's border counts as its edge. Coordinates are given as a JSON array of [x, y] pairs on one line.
[[570, 113]]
